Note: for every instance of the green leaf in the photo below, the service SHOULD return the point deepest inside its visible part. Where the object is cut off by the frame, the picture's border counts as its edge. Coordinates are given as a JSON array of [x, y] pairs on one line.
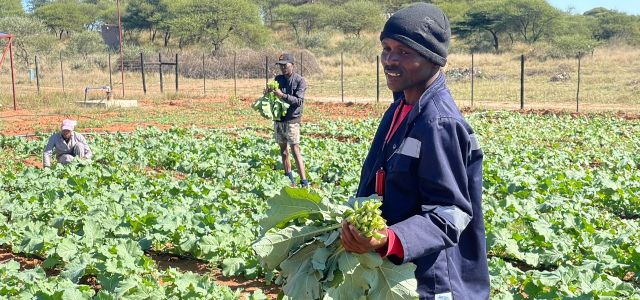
[[394, 283], [292, 204]]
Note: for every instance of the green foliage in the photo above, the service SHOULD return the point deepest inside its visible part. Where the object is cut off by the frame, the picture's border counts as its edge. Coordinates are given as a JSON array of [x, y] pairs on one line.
[[212, 21], [66, 15], [30, 38], [570, 46], [145, 15], [610, 24], [301, 239], [358, 15], [269, 105], [364, 48], [303, 19], [86, 42], [11, 8]]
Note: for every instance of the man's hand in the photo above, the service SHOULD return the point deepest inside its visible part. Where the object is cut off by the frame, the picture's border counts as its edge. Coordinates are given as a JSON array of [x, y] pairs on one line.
[[278, 93], [353, 241]]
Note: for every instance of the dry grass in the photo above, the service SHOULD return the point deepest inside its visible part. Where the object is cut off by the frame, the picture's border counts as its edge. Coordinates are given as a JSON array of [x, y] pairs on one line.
[[610, 80]]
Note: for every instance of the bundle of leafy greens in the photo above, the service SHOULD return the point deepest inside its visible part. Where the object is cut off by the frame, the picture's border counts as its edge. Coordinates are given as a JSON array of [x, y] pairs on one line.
[[301, 239], [270, 106]]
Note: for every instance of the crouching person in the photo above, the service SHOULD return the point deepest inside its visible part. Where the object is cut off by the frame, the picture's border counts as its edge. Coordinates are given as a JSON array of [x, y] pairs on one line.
[[68, 145]]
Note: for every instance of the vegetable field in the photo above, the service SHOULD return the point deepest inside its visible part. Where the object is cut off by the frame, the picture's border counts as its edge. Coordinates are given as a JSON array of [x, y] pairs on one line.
[[561, 203]]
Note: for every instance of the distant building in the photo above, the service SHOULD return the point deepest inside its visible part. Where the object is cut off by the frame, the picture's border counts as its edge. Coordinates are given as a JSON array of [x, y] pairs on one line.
[[111, 36]]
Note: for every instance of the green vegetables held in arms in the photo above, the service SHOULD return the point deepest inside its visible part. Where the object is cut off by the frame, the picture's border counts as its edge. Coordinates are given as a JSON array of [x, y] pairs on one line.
[[300, 238], [269, 105]]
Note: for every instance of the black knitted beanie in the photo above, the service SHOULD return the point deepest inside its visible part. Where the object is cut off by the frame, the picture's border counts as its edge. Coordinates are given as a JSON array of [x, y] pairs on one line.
[[424, 28]]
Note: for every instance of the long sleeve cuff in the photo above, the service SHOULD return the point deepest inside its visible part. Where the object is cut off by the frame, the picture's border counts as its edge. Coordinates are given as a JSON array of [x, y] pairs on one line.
[[393, 247]]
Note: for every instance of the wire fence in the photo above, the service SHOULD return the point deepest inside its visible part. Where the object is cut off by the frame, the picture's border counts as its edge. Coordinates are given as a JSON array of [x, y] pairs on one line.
[[475, 80]]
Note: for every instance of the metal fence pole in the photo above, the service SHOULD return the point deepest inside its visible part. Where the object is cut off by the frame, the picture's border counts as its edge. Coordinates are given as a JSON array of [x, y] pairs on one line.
[[377, 78], [235, 87], [472, 75], [110, 74], [62, 72], [37, 76], [578, 92], [160, 69], [300, 64], [144, 81], [266, 71], [342, 75], [204, 77], [176, 72], [522, 81]]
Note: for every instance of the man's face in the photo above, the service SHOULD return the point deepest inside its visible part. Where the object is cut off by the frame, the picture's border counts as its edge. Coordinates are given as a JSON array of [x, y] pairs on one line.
[[66, 133], [286, 69], [404, 68]]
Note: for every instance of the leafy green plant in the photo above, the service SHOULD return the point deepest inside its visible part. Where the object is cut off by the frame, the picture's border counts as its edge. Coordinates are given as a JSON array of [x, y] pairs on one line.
[[301, 240], [270, 106]]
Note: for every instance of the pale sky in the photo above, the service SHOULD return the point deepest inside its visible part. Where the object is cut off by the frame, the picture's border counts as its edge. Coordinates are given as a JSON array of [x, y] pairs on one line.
[[631, 7]]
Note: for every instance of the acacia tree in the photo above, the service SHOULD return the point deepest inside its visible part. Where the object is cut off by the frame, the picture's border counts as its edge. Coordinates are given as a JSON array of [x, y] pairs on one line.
[[302, 19], [11, 8], [145, 15], [30, 37], [213, 21], [607, 24], [355, 16], [66, 16], [531, 19], [486, 16]]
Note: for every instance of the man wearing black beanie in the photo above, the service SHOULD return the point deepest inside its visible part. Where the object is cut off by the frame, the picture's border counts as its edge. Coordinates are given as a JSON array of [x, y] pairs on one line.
[[425, 162]]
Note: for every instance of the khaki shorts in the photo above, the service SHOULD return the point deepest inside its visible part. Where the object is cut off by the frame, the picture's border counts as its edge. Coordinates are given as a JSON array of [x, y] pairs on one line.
[[286, 133]]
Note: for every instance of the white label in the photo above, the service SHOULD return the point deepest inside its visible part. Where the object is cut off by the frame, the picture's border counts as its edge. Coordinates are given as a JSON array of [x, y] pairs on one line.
[[444, 296], [410, 147]]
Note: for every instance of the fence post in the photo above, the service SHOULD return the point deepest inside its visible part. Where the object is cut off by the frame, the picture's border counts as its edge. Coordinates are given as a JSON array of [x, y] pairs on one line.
[[204, 77], [176, 72], [110, 76], [235, 87], [522, 81], [62, 72], [472, 73], [37, 76], [377, 78], [578, 92], [342, 75], [266, 71], [300, 63], [144, 81], [160, 68]]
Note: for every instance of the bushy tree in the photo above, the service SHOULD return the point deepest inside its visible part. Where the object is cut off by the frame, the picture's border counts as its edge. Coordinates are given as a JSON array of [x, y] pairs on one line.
[[355, 16], [85, 42], [484, 18], [66, 16], [11, 8], [303, 19], [530, 19], [212, 21], [30, 37], [608, 24], [145, 15]]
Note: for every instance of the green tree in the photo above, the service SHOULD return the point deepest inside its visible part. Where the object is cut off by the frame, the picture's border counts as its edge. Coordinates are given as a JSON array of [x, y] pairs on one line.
[[66, 16], [145, 15], [484, 17], [85, 42], [607, 24], [212, 21], [11, 8], [304, 18], [30, 37], [530, 19], [355, 16]]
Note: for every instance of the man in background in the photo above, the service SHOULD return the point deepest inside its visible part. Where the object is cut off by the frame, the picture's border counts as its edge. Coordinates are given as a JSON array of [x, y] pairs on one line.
[[287, 130]]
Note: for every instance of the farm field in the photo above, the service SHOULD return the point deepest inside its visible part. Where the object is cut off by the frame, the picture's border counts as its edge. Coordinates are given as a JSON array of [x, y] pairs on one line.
[[169, 207]]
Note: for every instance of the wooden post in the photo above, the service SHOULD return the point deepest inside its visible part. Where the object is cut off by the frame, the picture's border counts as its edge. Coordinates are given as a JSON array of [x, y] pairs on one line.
[[176, 72], [522, 81], [144, 81], [266, 71], [110, 75], [160, 69], [377, 78], [300, 64], [472, 75], [342, 75], [62, 72], [204, 77], [235, 87], [578, 92], [37, 76]]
